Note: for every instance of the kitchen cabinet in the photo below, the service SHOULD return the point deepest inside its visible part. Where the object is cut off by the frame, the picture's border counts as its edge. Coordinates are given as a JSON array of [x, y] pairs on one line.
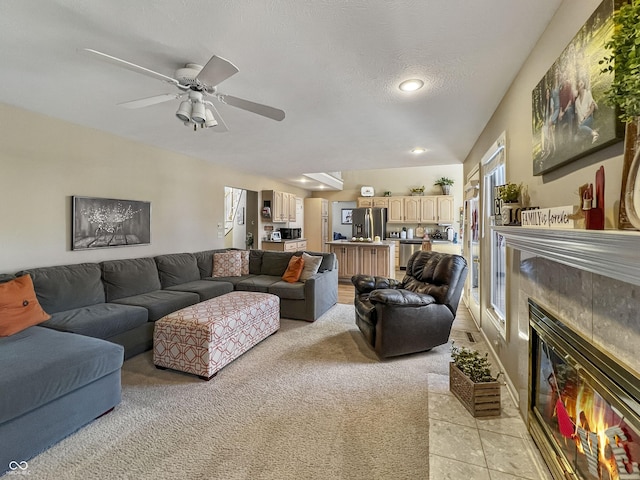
[[382, 202], [429, 209], [291, 198], [445, 209], [285, 245], [316, 223], [365, 258], [348, 257], [395, 211], [412, 209], [397, 254], [448, 247], [282, 206], [376, 261]]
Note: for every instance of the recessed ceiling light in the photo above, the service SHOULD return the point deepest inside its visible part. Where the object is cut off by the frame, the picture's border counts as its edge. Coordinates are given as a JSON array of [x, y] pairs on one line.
[[418, 150], [411, 85]]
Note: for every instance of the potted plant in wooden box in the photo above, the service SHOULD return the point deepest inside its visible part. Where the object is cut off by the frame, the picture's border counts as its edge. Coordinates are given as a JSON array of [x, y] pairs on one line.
[[445, 184], [470, 380]]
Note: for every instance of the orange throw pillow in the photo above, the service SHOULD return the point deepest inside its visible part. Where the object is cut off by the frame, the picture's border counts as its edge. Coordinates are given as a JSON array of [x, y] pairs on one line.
[[294, 269], [19, 306]]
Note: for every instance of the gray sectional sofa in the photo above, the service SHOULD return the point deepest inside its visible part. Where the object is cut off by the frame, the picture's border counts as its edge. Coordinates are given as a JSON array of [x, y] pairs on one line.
[[60, 375]]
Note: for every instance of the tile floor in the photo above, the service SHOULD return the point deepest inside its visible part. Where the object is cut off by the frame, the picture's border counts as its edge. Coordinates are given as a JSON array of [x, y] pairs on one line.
[[462, 447]]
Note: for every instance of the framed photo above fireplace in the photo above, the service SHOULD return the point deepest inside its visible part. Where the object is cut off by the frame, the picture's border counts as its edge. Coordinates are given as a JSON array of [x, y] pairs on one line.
[[107, 222], [569, 116]]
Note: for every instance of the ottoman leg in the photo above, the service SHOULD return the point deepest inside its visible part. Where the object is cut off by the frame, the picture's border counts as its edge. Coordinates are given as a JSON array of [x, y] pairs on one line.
[[160, 368]]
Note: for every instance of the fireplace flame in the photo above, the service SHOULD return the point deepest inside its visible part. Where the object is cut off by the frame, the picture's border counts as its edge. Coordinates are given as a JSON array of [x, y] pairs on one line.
[[597, 437]]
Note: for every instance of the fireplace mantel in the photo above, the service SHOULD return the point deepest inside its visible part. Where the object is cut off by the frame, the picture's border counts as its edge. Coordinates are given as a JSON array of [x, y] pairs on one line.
[[612, 253]]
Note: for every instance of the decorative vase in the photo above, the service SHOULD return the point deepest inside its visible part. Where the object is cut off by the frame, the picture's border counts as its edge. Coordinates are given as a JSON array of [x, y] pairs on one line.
[[509, 213], [446, 189], [480, 399]]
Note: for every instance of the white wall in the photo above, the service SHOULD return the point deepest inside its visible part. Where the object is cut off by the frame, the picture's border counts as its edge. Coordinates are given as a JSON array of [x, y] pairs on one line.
[[557, 188], [44, 162]]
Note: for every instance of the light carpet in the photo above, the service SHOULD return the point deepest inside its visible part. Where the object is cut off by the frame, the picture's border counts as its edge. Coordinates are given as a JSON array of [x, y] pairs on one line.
[[310, 402]]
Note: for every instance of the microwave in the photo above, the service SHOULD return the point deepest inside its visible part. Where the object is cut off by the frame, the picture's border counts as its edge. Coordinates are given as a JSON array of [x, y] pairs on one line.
[[290, 233]]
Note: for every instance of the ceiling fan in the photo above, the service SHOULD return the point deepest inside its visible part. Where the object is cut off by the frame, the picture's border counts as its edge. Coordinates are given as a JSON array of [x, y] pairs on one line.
[[197, 85]]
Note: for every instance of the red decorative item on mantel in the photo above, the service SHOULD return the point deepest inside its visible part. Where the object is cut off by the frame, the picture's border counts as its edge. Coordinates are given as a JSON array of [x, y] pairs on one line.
[[594, 216]]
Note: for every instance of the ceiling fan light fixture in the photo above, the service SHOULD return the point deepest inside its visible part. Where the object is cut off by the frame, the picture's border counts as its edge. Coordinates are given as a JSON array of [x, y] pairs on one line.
[[210, 120], [411, 85], [184, 111], [198, 114]]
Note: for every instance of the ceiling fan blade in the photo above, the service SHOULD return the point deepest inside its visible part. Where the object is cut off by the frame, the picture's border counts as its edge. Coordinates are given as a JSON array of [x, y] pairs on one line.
[[221, 127], [264, 110], [216, 71], [131, 66], [145, 102]]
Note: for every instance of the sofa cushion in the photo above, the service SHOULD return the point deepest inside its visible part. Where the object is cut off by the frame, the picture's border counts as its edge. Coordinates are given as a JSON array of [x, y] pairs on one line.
[[161, 302], [255, 262], [205, 289], [287, 291], [177, 268], [294, 269], [275, 263], [311, 266], [41, 364], [227, 264], [66, 287], [19, 307], [328, 262], [103, 320], [244, 262], [232, 280], [257, 283], [205, 261], [127, 278]]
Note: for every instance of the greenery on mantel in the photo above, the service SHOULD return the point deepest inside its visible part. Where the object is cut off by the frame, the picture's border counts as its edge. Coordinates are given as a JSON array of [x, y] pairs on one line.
[[473, 365], [624, 62], [510, 192]]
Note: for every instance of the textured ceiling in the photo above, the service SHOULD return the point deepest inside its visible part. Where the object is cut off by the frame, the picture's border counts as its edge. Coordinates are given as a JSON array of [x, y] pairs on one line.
[[332, 66]]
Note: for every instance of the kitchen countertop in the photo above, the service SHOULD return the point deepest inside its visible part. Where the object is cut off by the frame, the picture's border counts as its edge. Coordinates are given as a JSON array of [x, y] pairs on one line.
[[421, 240], [349, 242], [284, 240]]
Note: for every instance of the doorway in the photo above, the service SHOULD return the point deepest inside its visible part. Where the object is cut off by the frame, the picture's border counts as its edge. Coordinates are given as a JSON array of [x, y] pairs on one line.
[[241, 218], [471, 246]]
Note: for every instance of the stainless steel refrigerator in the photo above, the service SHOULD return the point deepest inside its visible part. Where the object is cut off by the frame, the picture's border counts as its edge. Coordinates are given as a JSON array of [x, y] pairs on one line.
[[369, 222]]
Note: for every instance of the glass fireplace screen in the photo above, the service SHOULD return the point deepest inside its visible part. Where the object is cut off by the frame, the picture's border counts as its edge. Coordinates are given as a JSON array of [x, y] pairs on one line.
[[585, 404]]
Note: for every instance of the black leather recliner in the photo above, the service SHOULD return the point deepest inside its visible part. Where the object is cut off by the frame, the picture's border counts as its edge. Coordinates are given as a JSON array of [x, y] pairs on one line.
[[415, 314]]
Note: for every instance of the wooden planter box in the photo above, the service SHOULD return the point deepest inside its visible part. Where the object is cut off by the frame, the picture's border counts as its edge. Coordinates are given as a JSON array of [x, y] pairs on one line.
[[480, 399]]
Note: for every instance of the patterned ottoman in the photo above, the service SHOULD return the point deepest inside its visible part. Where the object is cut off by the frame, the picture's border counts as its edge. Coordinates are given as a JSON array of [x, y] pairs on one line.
[[203, 338]]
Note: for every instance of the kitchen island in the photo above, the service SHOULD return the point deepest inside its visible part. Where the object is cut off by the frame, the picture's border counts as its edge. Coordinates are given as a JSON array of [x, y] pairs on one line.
[[368, 258]]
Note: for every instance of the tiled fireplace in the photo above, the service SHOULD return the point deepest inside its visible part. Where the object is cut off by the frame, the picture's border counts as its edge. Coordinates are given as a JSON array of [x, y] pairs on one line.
[[579, 317]]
